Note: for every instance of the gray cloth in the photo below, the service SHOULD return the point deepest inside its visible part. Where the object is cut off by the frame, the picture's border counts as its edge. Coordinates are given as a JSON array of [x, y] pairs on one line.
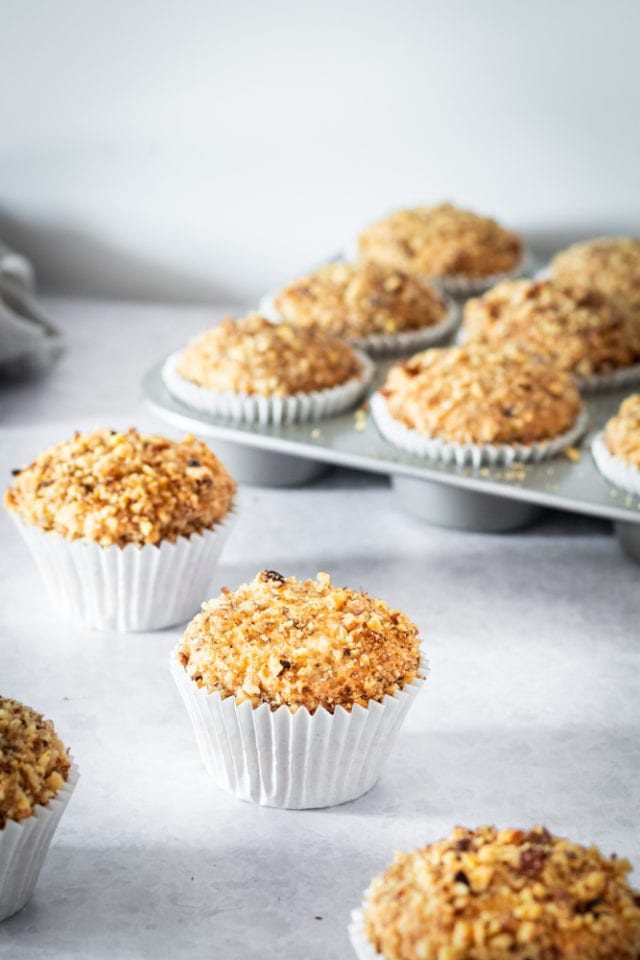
[[28, 341]]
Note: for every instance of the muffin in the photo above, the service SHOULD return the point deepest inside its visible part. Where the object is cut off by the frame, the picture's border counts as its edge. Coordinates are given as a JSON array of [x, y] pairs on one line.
[[617, 450], [582, 331], [490, 894], [37, 779], [125, 527], [474, 404], [370, 306], [610, 265], [281, 678], [466, 252], [253, 370]]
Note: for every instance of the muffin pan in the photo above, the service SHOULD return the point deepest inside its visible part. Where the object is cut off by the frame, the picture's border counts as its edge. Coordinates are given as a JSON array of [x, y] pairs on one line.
[[491, 499]]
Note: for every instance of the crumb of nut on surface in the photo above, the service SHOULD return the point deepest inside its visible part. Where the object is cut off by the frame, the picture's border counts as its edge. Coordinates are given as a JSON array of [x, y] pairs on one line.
[[474, 394], [356, 300], [255, 356], [441, 241], [490, 894], [308, 644], [581, 330], [622, 432], [34, 764], [610, 265], [119, 488]]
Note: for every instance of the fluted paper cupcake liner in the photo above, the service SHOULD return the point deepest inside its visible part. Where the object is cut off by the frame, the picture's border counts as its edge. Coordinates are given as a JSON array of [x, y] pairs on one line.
[[360, 942], [388, 344], [469, 454], [299, 760], [24, 845], [253, 408], [613, 469], [127, 588]]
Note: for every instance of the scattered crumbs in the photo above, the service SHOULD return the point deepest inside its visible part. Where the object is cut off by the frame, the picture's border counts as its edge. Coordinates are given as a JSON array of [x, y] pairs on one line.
[[465, 473], [573, 454], [316, 433], [485, 472], [497, 476], [628, 501], [613, 494], [360, 418]]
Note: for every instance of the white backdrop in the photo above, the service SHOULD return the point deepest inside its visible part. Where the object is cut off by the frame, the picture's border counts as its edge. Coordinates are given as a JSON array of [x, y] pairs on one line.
[[199, 150]]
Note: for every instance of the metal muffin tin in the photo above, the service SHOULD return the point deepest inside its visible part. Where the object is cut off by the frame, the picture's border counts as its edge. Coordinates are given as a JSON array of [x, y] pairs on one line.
[[491, 499]]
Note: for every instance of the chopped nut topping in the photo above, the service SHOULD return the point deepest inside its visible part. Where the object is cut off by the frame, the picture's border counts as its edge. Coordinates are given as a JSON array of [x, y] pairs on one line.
[[582, 331], [254, 356], [504, 895], [622, 432], [356, 300], [441, 241], [120, 488], [283, 642], [610, 265], [33, 761], [475, 394]]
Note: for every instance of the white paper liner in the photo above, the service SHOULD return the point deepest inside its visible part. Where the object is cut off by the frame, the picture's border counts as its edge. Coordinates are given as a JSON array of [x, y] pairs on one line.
[[387, 344], [127, 588], [469, 454], [613, 469], [299, 760], [360, 942], [252, 408], [24, 845]]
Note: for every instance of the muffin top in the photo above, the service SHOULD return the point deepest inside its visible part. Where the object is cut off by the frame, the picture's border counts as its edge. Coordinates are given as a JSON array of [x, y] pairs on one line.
[[308, 644], [441, 241], [475, 394], [33, 761], [357, 300], [490, 894], [119, 488], [254, 356], [581, 330], [610, 265], [622, 432]]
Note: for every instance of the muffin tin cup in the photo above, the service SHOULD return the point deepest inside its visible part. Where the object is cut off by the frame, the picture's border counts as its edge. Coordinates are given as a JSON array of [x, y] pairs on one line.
[[616, 471], [469, 454], [23, 848], [360, 942], [127, 588], [390, 344], [256, 409], [613, 380], [299, 760]]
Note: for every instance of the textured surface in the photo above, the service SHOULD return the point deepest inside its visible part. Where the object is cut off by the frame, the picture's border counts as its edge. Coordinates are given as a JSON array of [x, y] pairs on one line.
[[532, 713]]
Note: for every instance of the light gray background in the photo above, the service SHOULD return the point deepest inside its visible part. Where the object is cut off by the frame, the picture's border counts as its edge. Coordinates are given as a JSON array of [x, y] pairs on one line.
[[197, 150]]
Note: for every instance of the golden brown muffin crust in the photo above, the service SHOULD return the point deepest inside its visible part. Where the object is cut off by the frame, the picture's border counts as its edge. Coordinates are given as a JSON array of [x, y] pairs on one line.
[[610, 265], [357, 300], [254, 356], [119, 488], [33, 761], [473, 394], [622, 432], [441, 241], [308, 644], [580, 330], [490, 894]]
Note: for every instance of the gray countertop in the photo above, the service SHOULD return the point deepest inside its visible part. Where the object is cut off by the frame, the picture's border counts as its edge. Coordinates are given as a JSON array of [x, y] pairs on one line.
[[531, 713]]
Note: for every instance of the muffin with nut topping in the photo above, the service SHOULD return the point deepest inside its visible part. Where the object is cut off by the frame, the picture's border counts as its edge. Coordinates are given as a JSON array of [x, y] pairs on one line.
[[464, 251], [616, 450], [378, 309], [582, 331], [125, 526], [36, 781], [281, 676], [609, 265], [476, 404], [253, 370], [491, 894]]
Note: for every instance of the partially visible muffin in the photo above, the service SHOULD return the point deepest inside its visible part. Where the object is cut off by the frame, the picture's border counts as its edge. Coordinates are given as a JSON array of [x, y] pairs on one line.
[[582, 331], [308, 644], [480, 395], [354, 301], [610, 265], [441, 241], [491, 894], [34, 764], [118, 488], [622, 432], [254, 356]]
